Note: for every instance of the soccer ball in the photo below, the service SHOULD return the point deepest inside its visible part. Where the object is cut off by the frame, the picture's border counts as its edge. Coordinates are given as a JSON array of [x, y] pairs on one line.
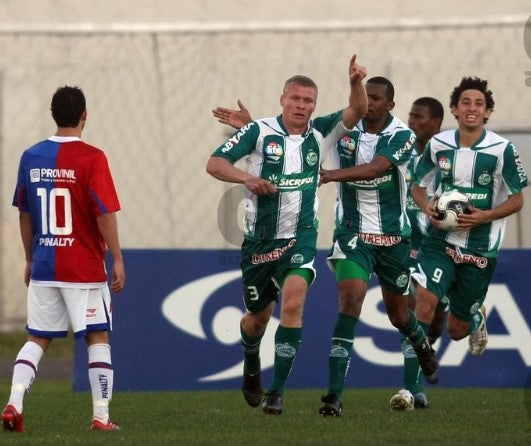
[[449, 205]]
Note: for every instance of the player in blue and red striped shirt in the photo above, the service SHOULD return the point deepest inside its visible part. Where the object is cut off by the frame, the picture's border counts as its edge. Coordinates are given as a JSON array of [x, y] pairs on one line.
[[67, 203]]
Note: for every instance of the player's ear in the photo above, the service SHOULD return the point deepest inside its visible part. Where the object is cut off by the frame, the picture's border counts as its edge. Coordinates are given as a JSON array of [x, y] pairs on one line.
[[436, 123], [454, 111], [390, 105], [84, 116]]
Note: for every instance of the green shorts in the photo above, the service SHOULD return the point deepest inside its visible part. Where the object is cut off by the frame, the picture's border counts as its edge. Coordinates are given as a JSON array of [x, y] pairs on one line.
[[266, 263], [386, 256], [459, 274]]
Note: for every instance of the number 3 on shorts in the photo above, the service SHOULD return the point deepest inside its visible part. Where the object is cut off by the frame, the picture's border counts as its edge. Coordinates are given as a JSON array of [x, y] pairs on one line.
[[253, 292]]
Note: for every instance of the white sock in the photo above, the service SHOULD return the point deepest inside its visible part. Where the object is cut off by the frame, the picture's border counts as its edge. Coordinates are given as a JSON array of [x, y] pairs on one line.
[[24, 372], [101, 380]]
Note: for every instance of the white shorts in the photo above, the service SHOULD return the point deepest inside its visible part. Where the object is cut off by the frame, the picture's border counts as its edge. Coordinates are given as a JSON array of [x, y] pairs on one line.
[[51, 310]]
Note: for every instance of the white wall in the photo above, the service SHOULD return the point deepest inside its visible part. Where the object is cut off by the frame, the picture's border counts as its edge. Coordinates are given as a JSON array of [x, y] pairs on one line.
[[157, 68]]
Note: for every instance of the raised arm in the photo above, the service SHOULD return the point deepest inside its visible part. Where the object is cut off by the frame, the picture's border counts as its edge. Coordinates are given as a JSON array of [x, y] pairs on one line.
[[358, 102]]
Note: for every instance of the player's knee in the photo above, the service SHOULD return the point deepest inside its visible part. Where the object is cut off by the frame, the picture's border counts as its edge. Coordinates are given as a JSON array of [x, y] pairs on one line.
[[254, 323], [291, 309], [426, 306], [350, 302], [97, 337]]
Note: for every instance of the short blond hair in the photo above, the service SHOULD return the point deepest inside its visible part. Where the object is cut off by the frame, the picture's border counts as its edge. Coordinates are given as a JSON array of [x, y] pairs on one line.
[[301, 80]]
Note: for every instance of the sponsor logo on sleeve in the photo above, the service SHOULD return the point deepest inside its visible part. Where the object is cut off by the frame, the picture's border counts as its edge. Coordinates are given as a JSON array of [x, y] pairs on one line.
[[235, 139]]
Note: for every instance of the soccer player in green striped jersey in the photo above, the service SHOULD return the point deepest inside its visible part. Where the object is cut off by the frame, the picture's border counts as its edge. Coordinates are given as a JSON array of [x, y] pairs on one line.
[[283, 156], [372, 234], [425, 119], [487, 168]]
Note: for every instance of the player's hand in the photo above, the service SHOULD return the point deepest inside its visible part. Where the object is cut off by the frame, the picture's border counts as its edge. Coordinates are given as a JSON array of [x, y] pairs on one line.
[[234, 118], [431, 210], [356, 72], [259, 186], [118, 276], [325, 176], [471, 218]]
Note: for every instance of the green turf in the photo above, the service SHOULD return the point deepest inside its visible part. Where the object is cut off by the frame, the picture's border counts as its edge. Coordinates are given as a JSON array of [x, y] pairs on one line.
[[56, 416], [11, 342]]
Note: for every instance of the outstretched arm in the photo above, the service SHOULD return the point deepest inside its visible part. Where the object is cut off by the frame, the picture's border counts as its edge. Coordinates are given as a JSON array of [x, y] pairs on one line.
[[234, 118], [369, 171]]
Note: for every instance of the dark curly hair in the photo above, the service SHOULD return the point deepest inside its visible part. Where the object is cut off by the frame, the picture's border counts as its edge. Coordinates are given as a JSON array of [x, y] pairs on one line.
[[68, 104], [472, 83]]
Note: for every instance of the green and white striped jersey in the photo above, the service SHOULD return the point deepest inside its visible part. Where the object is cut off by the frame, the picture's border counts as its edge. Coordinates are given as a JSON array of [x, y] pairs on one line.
[[488, 172], [419, 220], [291, 163], [377, 206]]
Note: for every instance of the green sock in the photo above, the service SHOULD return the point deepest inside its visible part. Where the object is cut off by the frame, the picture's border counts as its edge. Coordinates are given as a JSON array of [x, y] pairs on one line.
[[340, 353], [433, 335], [413, 330], [251, 352], [413, 378], [475, 322], [425, 327], [287, 341]]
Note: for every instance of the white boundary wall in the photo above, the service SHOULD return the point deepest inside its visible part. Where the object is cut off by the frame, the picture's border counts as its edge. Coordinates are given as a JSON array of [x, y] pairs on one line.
[[151, 87]]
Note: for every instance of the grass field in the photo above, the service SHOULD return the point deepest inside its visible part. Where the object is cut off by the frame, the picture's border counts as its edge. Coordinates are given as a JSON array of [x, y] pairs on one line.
[[10, 344], [56, 416]]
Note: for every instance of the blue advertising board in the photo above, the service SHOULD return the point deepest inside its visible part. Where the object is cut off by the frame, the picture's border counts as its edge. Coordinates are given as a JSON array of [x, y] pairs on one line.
[[176, 327]]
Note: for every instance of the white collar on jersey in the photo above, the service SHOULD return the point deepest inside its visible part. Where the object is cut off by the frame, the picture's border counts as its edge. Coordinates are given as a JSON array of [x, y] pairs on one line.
[[64, 138]]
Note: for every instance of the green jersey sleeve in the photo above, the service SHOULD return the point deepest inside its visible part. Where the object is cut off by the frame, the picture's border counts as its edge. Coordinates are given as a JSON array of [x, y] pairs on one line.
[[513, 172], [240, 144], [332, 129], [426, 168], [397, 147], [326, 124]]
